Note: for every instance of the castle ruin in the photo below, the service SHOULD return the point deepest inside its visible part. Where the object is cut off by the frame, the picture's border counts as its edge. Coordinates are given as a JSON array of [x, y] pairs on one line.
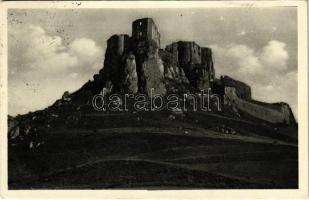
[[138, 63]]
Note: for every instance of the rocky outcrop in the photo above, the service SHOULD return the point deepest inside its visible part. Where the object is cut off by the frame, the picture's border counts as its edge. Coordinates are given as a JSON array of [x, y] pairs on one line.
[[152, 76], [130, 75], [149, 66]]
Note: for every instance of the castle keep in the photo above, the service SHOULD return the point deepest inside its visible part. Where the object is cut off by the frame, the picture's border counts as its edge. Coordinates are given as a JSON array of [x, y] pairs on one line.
[[137, 63], [145, 30]]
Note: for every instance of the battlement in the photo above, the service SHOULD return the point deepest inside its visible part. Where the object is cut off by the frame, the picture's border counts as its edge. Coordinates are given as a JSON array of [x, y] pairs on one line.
[[145, 29]]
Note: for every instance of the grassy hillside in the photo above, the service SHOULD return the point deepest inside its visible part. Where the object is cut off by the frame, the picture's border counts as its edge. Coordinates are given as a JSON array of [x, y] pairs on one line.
[[156, 151]]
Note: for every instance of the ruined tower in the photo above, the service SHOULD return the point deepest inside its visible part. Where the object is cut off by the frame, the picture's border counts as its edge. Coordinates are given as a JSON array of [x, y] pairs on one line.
[[119, 44], [145, 29], [117, 47], [146, 44]]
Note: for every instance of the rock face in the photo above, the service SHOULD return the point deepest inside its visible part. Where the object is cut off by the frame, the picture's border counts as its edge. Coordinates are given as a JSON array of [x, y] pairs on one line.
[[130, 75], [146, 43], [149, 66], [152, 76]]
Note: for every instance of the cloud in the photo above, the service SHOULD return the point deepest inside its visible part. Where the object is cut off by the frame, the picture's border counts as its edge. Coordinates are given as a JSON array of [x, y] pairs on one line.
[[44, 67], [275, 55], [237, 57], [39, 51], [87, 52], [265, 70]]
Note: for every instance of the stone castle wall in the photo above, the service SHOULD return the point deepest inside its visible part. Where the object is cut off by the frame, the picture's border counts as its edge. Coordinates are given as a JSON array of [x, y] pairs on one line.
[[196, 62], [280, 115], [243, 90], [187, 52], [207, 61]]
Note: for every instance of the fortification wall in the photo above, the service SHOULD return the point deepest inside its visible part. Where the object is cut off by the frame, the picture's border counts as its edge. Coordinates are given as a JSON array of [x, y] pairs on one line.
[[184, 54], [189, 53], [195, 61], [172, 70], [243, 90], [281, 115]]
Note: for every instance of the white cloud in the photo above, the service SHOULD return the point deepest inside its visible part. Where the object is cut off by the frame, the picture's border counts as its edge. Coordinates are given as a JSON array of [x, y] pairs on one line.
[[41, 51], [237, 59], [87, 52], [45, 67], [265, 70], [275, 55]]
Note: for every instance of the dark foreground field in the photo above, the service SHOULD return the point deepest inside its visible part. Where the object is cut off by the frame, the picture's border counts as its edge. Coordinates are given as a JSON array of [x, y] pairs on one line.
[[155, 151]]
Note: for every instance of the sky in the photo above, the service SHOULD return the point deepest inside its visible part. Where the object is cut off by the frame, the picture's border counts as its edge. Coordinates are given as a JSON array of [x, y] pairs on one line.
[[51, 51]]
